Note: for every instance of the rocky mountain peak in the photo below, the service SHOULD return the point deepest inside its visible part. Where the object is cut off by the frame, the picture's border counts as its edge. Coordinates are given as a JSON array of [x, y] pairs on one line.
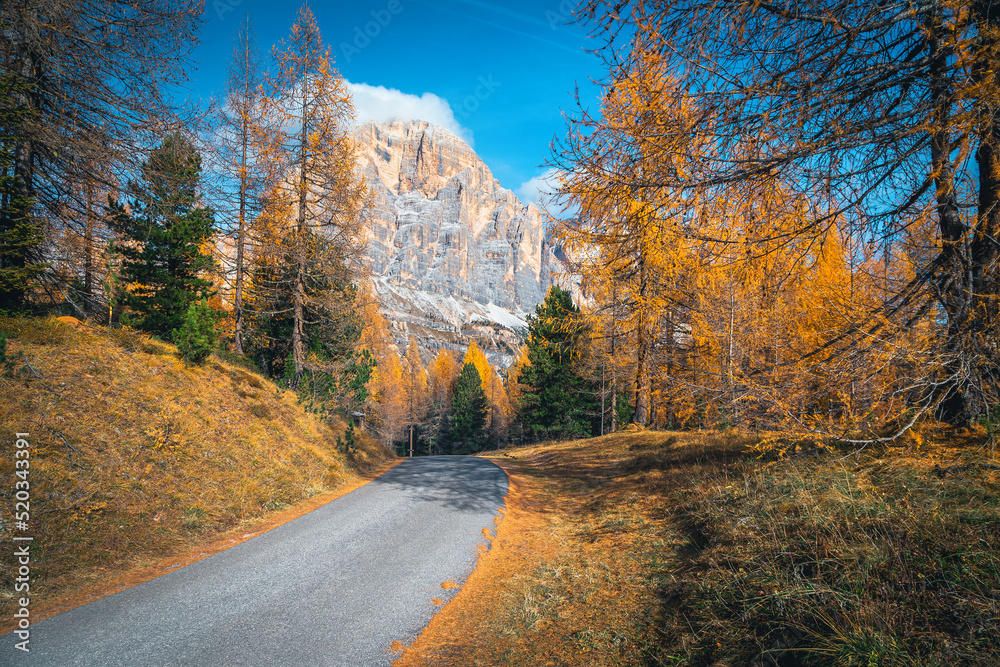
[[416, 155], [454, 253]]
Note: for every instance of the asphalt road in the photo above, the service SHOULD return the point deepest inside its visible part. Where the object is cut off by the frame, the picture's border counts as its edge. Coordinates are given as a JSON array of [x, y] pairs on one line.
[[334, 587]]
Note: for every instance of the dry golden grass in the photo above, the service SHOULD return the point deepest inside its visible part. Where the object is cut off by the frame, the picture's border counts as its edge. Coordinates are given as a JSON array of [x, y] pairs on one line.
[[137, 457], [683, 549]]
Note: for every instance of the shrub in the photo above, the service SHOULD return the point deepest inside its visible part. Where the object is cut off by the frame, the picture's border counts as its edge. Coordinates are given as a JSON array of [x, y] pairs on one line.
[[197, 337]]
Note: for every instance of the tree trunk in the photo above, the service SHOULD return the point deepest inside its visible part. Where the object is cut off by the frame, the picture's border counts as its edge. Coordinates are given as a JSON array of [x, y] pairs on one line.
[[641, 382], [24, 151], [614, 401], [614, 362], [731, 348], [967, 280], [603, 395], [642, 353], [88, 252], [298, 296], [240, 243]]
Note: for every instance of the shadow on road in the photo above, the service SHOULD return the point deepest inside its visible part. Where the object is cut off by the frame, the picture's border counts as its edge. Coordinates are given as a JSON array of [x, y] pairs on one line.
[[463, 483]]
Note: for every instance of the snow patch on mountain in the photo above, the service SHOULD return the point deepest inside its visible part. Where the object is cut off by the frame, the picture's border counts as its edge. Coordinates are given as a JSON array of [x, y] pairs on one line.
[[501, 317], [455, 255]]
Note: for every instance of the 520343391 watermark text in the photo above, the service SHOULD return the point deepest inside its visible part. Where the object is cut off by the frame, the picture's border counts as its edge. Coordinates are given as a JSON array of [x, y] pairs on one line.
[[22, 541]]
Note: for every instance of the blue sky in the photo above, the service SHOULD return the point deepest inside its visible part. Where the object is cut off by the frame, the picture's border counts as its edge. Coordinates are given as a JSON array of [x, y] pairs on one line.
[[498, 73]]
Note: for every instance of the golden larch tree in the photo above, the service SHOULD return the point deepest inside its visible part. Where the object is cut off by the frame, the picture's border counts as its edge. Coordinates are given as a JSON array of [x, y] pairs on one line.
[[316, 199]]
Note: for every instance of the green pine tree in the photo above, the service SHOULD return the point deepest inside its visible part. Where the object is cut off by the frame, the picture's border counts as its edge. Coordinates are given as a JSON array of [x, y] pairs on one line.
[[467, 423], [163, 240], [558, 402], [197, 337], [353, 384], [20, 236]]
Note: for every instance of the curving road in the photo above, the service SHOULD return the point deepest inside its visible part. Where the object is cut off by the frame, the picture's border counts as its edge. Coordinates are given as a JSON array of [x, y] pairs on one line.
[[334, 587]]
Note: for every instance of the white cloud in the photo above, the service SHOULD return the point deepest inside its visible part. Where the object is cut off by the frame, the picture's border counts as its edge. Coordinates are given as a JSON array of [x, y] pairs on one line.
[[382, 104], [538, 190]]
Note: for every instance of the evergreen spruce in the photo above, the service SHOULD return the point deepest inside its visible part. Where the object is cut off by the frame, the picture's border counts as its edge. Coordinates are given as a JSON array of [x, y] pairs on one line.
[[197, 337], [349, 443], [557, 400], [20, 237], [358, 370], [164, 239], [466, 430]]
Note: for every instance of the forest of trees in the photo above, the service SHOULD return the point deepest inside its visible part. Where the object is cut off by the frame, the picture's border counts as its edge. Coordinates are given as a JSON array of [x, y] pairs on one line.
[[786, 215], [777, 217]]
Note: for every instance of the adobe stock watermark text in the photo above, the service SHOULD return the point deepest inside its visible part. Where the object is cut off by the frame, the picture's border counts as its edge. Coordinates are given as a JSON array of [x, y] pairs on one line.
[[22, 541]]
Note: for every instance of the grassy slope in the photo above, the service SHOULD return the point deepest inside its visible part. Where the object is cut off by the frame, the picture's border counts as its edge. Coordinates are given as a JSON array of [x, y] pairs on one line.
[[136, 456], [681, 549]]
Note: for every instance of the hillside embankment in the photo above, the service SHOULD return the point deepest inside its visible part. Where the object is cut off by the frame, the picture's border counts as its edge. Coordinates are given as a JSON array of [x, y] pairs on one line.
[[139, 463], [652, 548]]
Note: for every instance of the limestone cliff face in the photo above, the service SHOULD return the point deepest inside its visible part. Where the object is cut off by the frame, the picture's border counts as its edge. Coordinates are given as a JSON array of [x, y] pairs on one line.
[[452, 251]]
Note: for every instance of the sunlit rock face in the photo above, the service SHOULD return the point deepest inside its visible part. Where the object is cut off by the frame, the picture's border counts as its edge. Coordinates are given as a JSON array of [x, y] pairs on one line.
[[455, 255]]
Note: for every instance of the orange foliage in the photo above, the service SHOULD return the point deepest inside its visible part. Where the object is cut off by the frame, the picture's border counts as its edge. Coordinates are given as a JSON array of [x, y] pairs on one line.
[[499, 413], [714, 306]]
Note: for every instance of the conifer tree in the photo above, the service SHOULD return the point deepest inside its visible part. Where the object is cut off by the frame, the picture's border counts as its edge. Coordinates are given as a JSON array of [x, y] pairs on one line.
[[243, 128], [631, 245], [315, 201], [416, 391], [94, 76], [557, 401], [20, 237], [467, 424], [330, 328], [884, 113], [357, 373], [497, 415], [164, 234], [197, 336], [515, 394], [442, 378], [80, 250], [388, 408]]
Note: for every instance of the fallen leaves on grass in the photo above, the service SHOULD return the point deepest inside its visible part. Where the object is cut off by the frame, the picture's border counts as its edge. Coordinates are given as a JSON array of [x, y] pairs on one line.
[[652, 548]]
